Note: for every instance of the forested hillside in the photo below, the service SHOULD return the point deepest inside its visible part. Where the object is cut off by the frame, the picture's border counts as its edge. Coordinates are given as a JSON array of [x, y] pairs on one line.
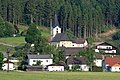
[[86, 18]]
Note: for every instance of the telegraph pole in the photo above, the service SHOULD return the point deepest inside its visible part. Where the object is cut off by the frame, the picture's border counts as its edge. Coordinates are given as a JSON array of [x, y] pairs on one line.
[[8, 51]]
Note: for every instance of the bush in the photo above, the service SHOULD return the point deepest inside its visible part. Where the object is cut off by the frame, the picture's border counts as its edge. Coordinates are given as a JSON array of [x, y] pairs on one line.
[[75, 68], [91, 40], [2, 27], [1, 60], [97, 69], [9, 29]]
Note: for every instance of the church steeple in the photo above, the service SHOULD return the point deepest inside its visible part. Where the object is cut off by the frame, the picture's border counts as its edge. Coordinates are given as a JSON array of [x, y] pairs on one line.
[[56, 23], [55, 28]]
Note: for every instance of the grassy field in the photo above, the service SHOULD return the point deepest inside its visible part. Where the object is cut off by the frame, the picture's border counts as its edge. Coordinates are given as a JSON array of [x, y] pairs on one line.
[[45, 31], [13, 40], [59, 76], [21, 40]]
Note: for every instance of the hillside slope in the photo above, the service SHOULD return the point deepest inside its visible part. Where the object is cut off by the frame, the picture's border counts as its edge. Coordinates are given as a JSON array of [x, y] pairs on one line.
[[20, 40], [107, 36]]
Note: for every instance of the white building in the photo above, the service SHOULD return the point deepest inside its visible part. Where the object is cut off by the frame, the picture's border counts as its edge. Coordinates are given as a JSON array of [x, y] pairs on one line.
[[45, 59], [5, 65], [55, 67], [106, 47], [61, 39]]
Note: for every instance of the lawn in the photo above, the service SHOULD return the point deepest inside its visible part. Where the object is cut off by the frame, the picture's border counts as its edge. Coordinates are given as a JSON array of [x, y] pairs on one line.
[[59, 76]]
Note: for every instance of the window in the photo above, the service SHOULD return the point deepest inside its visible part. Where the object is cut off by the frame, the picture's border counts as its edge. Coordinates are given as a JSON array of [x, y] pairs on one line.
[[46, 60], [107, 47], [3, 65], [34, 60]]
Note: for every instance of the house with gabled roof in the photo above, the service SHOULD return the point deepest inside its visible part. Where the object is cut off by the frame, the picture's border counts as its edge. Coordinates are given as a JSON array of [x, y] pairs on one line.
[[112, 64], [45, 59], [106, 47], [71, 51], [80, 61]]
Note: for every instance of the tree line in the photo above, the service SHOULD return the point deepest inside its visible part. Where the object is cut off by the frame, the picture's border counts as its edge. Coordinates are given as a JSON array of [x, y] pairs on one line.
[[85, 18]]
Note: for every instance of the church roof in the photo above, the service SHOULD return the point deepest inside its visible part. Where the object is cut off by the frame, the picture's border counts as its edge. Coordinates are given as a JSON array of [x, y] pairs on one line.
[[60, 37], [55, 21], [79, 40]]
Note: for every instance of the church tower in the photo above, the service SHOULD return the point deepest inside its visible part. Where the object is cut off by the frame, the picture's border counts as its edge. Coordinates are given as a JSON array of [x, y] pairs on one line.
[[55, 29]]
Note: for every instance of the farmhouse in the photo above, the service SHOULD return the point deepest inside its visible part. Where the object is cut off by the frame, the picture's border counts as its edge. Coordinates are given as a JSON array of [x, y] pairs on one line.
[[106, 47], [44, 59], [79, 61]]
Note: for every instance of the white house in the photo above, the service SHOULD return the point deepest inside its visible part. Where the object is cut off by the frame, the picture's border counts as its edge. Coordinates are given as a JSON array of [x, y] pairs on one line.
[[5, 65], [45, 59], [55, 67], [81, 61], [106, 47]]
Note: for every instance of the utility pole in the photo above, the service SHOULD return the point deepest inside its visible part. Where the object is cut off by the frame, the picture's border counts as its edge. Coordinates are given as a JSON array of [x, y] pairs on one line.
[[8, 51], [51, 28]]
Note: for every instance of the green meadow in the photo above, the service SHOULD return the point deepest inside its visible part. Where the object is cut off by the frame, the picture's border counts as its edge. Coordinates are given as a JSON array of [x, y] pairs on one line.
[[59, 76]]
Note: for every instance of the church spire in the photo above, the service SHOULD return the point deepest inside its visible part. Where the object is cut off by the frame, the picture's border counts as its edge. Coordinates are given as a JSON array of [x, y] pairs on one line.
[[56, 23], [55, 29]]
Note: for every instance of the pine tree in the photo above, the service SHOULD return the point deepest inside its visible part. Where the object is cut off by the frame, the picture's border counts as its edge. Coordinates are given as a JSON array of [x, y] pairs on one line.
[[2, 27]]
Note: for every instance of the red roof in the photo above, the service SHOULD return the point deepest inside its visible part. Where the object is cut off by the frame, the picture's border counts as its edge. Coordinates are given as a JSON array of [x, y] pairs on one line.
[[112, 60]]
